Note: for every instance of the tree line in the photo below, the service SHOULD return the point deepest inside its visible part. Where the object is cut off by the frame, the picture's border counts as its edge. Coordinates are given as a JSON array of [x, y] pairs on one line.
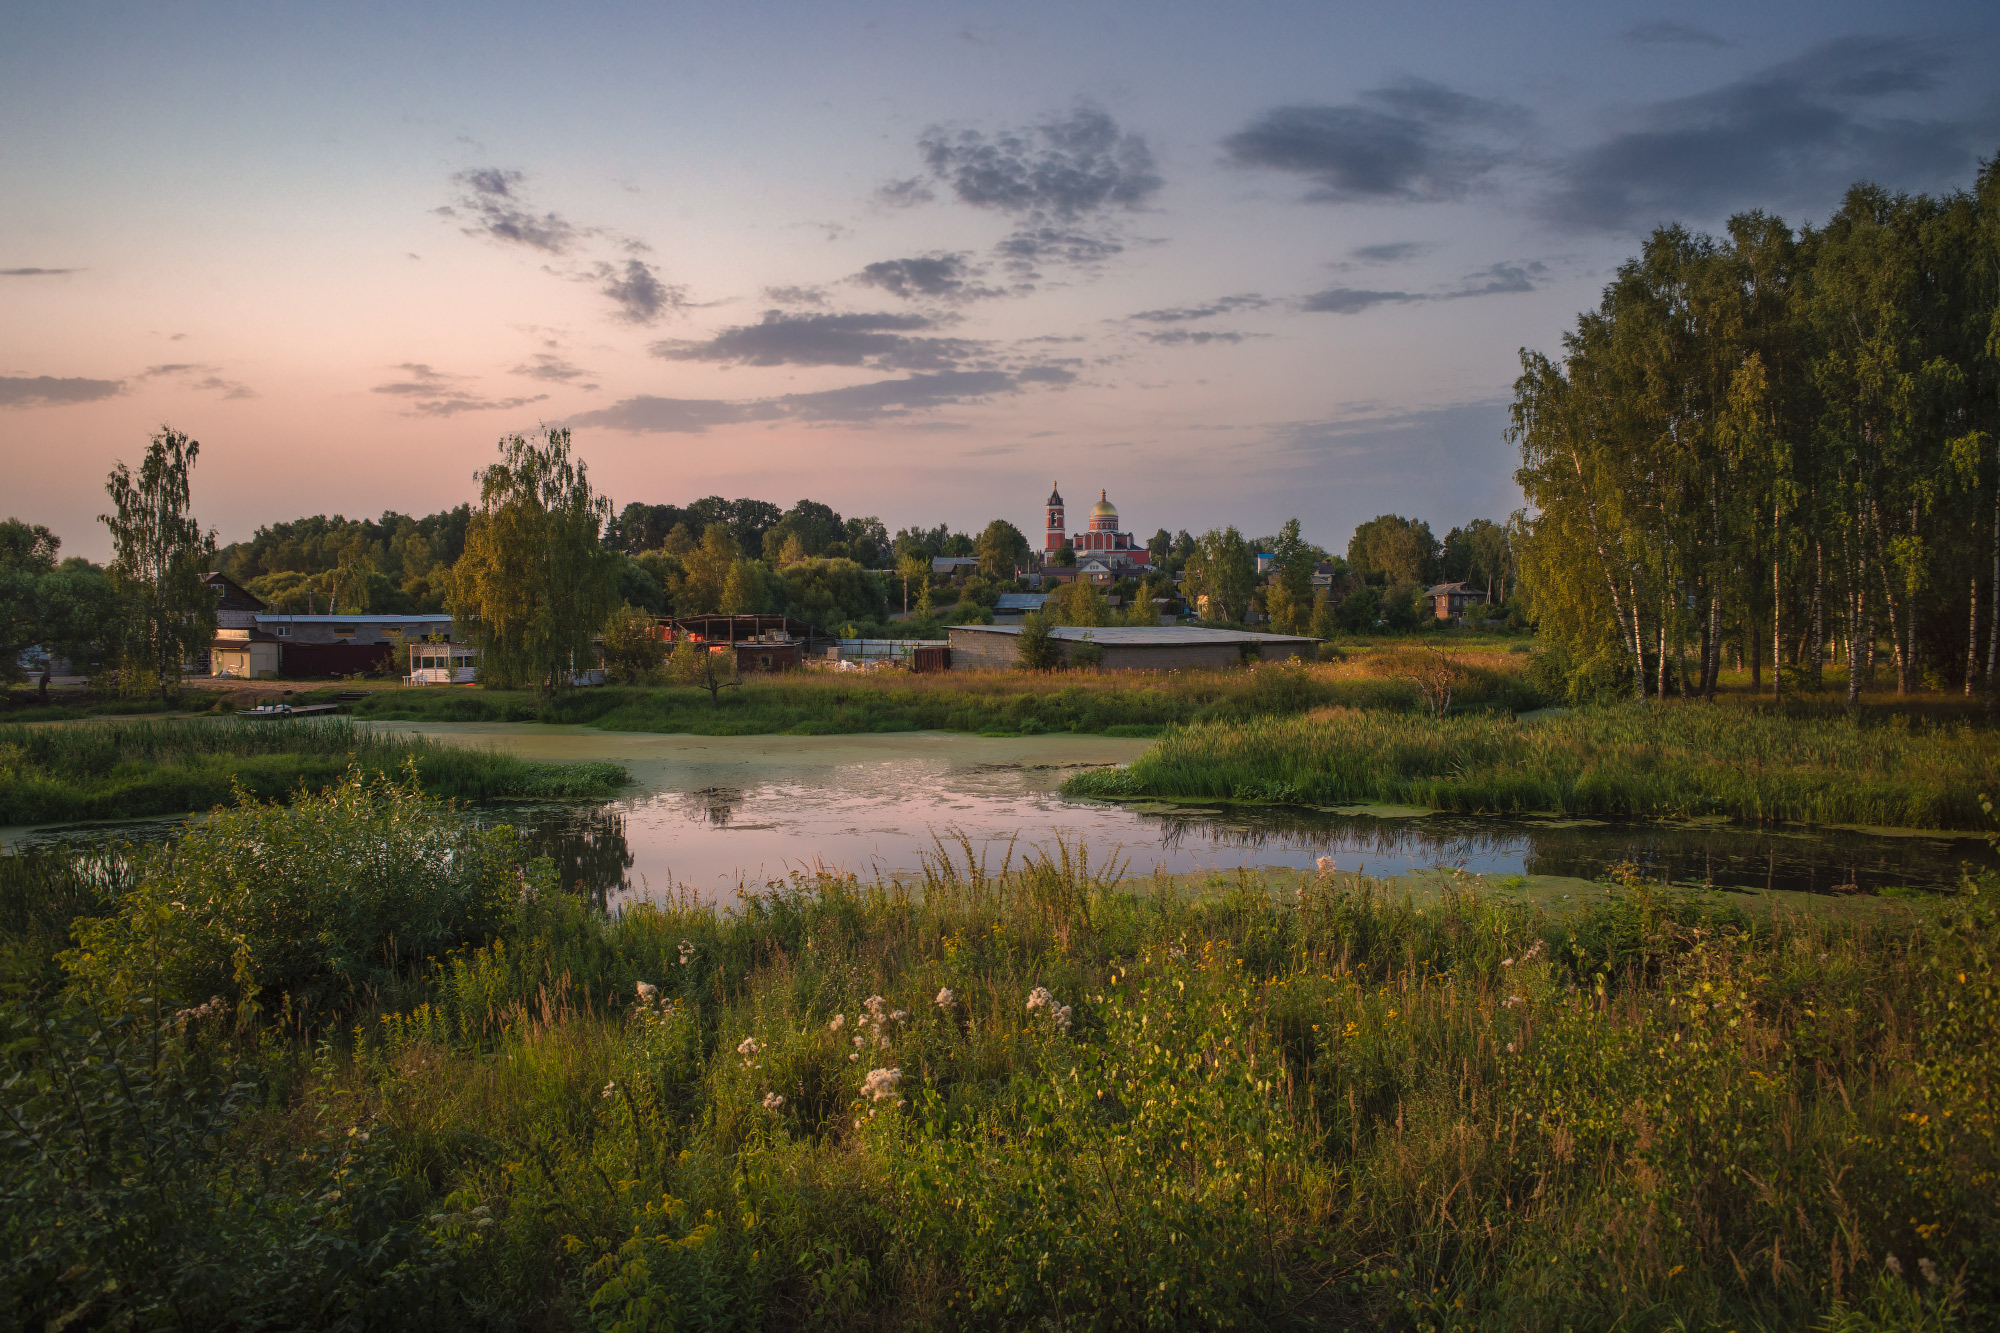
[[1776, 448]]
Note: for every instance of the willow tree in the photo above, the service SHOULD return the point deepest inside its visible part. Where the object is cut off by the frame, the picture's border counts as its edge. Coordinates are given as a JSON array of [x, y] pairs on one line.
[[535, 582], [160, 553]]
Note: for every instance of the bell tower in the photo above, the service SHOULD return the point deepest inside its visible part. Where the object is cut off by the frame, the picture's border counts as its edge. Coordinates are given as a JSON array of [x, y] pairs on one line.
[[1057, 533]]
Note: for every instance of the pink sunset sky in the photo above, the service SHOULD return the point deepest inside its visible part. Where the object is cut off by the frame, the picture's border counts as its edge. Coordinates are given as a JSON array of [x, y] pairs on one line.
[[1230, 263]]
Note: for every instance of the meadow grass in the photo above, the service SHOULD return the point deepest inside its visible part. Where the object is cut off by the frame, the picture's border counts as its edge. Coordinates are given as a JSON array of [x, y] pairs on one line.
[[1032, 1095], [1639, 760], [826, 703], [124, 770]]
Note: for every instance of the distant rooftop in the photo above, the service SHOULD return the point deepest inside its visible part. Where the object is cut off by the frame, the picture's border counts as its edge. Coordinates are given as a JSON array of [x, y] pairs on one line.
[[1139, 636], [359, 619]]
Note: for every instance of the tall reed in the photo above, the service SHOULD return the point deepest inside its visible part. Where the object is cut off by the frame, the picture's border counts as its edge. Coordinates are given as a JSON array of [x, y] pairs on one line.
[[1630, 759]]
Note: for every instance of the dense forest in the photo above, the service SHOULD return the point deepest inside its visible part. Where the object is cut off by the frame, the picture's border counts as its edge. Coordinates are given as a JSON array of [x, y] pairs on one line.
[[1776, 448]]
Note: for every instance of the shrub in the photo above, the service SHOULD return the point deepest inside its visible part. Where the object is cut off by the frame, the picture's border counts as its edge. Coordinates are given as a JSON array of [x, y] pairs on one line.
[[306, 907]]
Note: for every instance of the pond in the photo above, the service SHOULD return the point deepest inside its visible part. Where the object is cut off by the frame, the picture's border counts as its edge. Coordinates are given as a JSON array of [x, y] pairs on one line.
[[710, 814]]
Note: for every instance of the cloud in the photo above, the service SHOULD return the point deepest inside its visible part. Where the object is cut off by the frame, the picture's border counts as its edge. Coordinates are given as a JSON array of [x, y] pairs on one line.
[[36, 272], [553, 368], [1061, 179], [883, 341], [879, 400], [1410, 142], [909, 192], [1389, 252], [51, 391], [638, 292], [1065, 167], [1220, 306], [795, 295], [1196, 337], [432, 393], [490, 199], [194, 375], [939, 275], [1493, 280], [1665, 32], [1353, 300], [1792, 134], [1498, 279]]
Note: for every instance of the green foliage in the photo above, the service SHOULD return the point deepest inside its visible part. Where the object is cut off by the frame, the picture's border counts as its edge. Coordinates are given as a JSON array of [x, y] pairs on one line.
[[1002, 550], [167, 614], [1077, 602], [132, 1196], [534, 584], [1223, 569], [1086, 654], [302, 910], [1038, 650], [1391, 549], [1630, 759], [130, 770], [632, 651]]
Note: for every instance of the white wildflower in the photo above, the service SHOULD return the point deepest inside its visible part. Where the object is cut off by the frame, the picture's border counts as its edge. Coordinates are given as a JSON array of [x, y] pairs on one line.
[[748, 1048], [609, 1088], [1326, 865], [873, 1004], [687, 952], [1928, 1269], [1510, 1048], [1506, 962], [839, 1022], [880, 1085], [646, 992], [772, 1101], [1039, 998], [945, 999], [860, 1042], [853, 1056], [1894, 1265], [1511, 1001]]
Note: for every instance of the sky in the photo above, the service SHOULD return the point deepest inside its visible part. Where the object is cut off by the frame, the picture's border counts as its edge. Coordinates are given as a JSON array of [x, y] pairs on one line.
[[1229, 263]]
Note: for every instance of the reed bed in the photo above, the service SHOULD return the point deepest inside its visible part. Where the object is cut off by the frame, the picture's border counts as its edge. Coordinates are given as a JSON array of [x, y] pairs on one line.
[[1634, 760], [1023, 1094], [124, 770], [817, 703]]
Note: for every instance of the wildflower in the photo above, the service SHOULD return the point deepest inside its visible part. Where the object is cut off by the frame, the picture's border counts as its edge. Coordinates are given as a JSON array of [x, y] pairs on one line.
[[1924, 1266], [859, 1042], [1893, 1264], [1510, 1048], [687, 952], [873, 1004], [1039, 998], [1506, 962], [880, 1085], [945, 999], [609, 1088], [853, 1056], [839, 1022], [772, 1101], [1511, 1001], [646, 992], [748, 1048]]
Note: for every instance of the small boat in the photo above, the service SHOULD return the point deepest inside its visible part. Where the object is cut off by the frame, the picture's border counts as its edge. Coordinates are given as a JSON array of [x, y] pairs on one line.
[[286, 710]]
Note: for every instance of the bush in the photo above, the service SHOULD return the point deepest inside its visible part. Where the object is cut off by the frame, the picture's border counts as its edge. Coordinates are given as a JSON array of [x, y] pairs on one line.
[[303, 909]]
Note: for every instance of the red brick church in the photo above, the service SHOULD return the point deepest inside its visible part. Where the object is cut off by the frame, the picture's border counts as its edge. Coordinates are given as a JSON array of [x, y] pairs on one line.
[[1102, 542]]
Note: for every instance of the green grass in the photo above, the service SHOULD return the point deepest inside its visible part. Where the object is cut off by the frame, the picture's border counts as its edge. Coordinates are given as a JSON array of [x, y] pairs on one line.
[[1117, 703], [1318, 1107], [1631, 760], [128, 770]]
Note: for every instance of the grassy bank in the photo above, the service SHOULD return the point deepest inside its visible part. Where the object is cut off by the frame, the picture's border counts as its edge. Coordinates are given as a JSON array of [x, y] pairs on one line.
[[816, 703], [128, 770], [1007, 1100], [1633, 760]]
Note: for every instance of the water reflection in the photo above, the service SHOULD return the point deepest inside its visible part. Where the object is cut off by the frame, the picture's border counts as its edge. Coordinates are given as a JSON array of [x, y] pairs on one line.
[[592, 856]]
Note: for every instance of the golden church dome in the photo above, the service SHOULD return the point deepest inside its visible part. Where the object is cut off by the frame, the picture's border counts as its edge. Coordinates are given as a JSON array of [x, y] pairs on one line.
[[1103, 508]]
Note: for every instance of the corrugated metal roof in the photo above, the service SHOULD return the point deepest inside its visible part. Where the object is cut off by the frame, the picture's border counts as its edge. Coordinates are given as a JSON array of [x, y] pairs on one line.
[[1139, 636]]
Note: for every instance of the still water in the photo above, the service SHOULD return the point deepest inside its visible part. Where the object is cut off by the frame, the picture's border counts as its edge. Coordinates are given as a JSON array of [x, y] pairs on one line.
[[710, 814]]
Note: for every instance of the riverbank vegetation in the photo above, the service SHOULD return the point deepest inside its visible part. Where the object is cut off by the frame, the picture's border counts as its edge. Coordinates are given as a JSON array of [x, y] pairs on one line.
[[131, 770], [392, 1079], [815, 703], [1642, 760]]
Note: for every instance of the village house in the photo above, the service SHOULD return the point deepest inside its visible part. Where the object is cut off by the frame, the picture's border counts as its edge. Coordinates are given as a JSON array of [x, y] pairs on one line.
[[1449, 600]]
